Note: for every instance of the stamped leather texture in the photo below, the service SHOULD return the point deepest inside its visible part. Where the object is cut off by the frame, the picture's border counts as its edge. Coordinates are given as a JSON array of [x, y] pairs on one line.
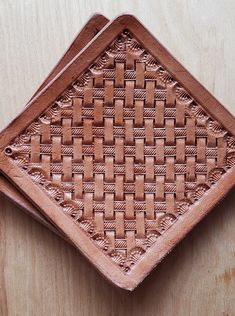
[[91, 28], [125, 152]]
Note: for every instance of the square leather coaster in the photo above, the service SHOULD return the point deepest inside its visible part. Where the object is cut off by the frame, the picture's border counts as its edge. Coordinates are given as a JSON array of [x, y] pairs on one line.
[[124, 151], [91, 28]]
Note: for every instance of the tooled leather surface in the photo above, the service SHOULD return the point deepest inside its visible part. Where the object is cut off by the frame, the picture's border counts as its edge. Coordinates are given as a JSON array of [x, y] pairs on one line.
[[124, 151]]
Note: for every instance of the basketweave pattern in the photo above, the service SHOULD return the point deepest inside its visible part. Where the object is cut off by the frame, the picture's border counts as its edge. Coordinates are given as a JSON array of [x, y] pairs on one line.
[[125, 151]]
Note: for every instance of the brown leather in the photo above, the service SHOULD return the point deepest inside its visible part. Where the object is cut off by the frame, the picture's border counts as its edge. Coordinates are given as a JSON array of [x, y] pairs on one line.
[[124, 151], [92, 27], [9, 191]]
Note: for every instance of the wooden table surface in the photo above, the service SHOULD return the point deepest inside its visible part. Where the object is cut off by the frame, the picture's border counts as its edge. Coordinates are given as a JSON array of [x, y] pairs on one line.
[[40, 274]]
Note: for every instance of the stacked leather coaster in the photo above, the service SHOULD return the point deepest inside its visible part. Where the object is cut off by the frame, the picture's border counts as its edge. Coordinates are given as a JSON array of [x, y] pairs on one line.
[[121, 151]]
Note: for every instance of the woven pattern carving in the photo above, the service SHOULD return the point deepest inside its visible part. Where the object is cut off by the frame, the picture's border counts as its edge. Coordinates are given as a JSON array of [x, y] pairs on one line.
[[124, 151]]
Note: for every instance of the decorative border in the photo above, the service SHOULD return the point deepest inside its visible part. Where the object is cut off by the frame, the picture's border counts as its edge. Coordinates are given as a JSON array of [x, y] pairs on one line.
[[39, 104], [65, 101]]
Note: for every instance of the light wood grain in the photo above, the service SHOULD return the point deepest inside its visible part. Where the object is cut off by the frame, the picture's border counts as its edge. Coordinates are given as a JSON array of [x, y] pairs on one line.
[[40, 274]]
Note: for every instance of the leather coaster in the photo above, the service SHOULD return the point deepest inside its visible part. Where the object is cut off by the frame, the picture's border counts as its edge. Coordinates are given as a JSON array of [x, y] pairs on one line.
[[91, 28], [124, 151]]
